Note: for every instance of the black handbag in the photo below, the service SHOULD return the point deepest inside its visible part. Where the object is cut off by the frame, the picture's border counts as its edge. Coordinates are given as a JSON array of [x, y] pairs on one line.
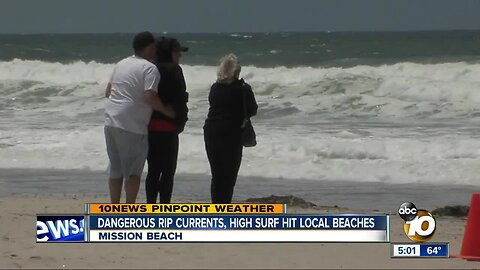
[[248, 136]]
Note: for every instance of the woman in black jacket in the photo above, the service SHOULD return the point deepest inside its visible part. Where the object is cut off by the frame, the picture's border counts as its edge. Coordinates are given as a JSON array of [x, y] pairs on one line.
[[222, 129], [163, 131]]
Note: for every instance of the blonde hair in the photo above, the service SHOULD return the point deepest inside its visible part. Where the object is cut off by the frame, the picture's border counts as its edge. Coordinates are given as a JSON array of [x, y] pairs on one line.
[[228, 69]]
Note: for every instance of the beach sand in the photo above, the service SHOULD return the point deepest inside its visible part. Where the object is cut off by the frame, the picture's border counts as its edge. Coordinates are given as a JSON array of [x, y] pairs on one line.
[[19, 250], [351, 195]]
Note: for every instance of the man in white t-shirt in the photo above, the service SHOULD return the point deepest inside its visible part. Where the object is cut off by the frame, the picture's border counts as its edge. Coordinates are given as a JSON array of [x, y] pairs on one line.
[[132, 95]]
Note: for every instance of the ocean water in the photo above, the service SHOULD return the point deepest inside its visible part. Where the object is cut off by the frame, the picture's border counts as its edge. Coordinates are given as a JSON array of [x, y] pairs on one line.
[[394, 108]]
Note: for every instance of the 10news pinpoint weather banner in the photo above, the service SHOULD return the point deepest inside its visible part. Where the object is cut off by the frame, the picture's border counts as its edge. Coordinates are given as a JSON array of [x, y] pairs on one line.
[[208, 223]]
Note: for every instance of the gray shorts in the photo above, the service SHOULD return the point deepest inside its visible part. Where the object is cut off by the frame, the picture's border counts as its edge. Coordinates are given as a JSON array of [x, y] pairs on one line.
[[126, 151]]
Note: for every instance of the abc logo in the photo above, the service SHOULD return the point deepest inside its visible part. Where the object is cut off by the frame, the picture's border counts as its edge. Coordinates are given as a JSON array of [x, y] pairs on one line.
[[419, 224]]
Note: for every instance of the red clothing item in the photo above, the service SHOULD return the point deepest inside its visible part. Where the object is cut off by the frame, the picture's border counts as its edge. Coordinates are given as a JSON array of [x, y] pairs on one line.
[[161, 125]]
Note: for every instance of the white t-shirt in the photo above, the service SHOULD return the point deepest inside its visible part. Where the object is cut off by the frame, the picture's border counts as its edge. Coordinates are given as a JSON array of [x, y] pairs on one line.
[[127, 107]]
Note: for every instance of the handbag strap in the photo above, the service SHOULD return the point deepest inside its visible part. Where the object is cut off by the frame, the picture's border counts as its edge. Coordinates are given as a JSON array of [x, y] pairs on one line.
[[244, 96]]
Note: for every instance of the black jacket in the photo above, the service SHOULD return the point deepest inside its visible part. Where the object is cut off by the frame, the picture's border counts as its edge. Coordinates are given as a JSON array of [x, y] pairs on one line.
[[172, 91], [226, 111]]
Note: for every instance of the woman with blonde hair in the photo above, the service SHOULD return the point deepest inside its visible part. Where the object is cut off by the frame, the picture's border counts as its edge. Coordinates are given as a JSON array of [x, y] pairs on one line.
[[231, 99]]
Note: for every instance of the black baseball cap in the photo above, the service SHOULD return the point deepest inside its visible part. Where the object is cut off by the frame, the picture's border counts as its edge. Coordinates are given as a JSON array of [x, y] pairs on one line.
[[142, 40], [171, 44], [177, 47]]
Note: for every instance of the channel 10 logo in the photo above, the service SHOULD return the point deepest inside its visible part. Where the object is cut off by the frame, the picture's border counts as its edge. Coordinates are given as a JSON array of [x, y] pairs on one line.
[[419, 224]]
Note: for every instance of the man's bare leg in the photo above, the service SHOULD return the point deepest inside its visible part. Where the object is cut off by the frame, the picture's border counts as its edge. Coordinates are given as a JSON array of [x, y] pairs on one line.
[[131, 188], [115, 185]]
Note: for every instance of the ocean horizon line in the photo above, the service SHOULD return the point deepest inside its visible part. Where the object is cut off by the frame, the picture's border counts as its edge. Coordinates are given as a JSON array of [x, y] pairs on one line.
[[251, 32]]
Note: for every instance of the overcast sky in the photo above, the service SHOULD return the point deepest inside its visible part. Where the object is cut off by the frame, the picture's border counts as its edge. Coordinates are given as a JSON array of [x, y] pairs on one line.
[[113, 16]]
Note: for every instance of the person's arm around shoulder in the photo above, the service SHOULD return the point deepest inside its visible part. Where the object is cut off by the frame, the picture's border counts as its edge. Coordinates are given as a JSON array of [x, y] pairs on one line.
[[252, 106], [152, 78]]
